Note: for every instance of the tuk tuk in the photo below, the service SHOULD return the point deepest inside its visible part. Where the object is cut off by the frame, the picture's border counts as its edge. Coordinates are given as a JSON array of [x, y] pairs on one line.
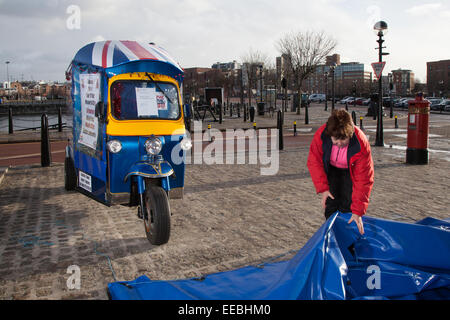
[[129, 138]]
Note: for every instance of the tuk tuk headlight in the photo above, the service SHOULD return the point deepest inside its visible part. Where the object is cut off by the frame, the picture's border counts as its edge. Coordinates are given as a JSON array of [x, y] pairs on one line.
[[114, 146], [153, 146], [186, 144]]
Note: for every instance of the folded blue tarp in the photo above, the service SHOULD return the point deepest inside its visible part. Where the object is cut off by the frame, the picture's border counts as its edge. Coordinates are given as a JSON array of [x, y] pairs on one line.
[[392, 260]]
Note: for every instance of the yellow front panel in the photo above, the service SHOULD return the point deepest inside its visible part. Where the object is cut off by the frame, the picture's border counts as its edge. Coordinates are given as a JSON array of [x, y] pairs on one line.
[[143, 127]]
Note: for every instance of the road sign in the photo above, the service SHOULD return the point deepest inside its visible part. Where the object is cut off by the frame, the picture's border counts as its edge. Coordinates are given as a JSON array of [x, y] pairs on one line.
[[378, 68]]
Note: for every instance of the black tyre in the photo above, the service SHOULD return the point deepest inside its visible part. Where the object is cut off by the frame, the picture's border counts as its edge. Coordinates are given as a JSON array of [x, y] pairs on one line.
[[156, 215], [70, 175]]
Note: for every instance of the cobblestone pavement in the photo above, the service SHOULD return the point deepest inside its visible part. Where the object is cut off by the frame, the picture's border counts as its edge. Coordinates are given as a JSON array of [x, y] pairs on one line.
[[231, 216]]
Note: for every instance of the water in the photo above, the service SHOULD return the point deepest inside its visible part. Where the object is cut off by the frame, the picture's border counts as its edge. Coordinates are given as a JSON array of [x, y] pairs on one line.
[[29, 122]]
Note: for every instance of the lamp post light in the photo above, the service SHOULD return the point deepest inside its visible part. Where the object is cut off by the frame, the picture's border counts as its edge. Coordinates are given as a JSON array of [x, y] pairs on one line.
[[7, 72], [380, 29], [326, 90], [332, 67], [260, 82]]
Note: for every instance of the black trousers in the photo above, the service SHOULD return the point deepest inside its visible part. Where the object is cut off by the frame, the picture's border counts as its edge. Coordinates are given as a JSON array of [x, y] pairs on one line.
[[340, 184]]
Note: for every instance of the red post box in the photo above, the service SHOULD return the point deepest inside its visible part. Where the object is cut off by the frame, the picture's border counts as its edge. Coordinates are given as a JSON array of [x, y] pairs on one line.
[[418, 124]]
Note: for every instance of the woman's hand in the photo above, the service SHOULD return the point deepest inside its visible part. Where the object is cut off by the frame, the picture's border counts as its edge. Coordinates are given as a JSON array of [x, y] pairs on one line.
[[325, 196], [358, 220]]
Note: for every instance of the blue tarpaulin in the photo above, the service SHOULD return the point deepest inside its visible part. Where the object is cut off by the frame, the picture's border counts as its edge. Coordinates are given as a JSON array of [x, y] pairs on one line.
[[392, 260]]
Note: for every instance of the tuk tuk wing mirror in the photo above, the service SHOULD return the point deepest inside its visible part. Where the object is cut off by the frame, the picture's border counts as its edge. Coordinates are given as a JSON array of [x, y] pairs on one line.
[[187, 111], [100, 110]]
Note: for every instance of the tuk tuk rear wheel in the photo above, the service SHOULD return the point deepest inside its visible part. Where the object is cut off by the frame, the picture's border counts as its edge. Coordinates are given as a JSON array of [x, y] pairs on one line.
[[156, 214]]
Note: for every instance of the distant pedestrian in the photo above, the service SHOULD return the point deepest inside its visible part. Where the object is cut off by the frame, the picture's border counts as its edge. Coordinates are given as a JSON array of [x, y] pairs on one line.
[[341, 167]]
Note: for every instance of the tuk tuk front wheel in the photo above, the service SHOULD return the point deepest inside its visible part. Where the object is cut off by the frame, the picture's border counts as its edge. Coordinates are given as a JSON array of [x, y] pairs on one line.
[[156, 214]]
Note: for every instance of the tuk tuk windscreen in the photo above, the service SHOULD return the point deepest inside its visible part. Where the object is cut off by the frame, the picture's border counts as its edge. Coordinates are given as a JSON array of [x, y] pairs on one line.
[[135, 99]]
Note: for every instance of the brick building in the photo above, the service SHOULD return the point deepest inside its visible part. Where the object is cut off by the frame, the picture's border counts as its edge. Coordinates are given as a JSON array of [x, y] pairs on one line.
[[438, 78], [403, 81], [350, 78], [27, 90]]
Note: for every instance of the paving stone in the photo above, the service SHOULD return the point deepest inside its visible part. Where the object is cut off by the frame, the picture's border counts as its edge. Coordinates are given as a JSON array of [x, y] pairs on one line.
[[231, 216]]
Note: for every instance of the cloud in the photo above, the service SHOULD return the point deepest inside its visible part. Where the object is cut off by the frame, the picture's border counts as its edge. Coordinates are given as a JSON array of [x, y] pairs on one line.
[[202, 32], [445, 14], [35, 8], [424, 9]]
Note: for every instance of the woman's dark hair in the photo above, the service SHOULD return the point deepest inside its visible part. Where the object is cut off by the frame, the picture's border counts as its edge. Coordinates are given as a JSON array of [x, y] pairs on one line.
[[340, 125]]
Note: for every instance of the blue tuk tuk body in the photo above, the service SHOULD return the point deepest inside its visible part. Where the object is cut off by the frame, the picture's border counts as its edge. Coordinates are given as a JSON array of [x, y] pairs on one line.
[[126, 104]]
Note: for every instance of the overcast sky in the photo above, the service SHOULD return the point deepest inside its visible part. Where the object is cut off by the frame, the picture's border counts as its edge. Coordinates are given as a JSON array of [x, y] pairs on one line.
[[40, 37]]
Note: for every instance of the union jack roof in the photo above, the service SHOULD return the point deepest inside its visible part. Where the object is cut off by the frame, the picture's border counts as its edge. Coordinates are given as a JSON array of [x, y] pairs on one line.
[[110, 53]]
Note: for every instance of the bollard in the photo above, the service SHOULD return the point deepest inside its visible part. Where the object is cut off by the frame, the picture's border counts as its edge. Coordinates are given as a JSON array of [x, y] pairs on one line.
[[361, 123], [396, 122], [10, 121], [59, 120], [254, 125], [46, 156], [280, 130], [220, 113], [252, 114], [295, 128], [245, 112], [239, 110], [231, 110], [209, 133], [354, 117], [306, 113], [391, 107]]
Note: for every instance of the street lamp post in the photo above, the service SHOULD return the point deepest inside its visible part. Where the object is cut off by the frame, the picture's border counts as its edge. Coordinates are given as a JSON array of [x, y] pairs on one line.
[[260, 82], [7, 72], [381, 29], [326, 91], [332, 67]]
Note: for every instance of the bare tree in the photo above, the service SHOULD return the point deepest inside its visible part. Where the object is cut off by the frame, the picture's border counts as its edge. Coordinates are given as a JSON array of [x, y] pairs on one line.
[[303, 52], [253, 61]]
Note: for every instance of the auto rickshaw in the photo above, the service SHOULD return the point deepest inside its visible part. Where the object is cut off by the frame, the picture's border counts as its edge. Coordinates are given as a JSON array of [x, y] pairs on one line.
[[129, 138]]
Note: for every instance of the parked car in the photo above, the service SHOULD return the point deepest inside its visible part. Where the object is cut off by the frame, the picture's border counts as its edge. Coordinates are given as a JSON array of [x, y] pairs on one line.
[[346, 99], [405, 103], [317, 97], [358, 101], [435, 104], [447, 106], [444, 105], [366, 102], [387, 101], [402, 103]]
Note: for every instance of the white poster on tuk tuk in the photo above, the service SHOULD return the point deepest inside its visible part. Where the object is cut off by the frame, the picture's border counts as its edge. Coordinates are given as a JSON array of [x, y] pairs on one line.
[[146, 102], [90, 96]]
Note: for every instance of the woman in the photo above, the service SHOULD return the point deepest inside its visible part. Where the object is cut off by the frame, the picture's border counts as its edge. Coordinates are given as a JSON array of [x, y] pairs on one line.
[[341, 167]]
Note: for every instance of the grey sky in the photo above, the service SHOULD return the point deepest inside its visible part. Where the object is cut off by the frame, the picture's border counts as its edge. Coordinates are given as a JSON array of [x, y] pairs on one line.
[[36, 38]]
